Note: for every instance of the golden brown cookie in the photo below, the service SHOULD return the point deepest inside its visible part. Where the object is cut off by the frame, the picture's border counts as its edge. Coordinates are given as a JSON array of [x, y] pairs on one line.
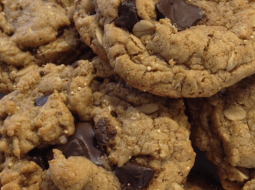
[[196, 50], [223, 127]]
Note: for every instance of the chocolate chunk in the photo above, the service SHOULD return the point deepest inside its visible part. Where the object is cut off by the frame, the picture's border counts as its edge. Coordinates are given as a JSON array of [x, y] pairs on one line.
[[41, 73], [5, 67], [133, 176], [41, 100], [37, 156], [82, 143], [2, 95], [75, 64], [127, 15], [104, 132], [182, 14]]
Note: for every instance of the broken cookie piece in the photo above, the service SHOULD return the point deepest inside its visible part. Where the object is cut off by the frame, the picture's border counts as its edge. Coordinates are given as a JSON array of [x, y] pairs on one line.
[[79, 173], [41, 115], [20, 174]]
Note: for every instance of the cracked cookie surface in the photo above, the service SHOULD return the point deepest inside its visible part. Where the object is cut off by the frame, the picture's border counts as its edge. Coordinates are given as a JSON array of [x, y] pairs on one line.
[[154, 56]]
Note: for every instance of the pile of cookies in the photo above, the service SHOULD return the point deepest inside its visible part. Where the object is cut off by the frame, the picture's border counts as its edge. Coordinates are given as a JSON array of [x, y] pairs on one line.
[[127, 94]]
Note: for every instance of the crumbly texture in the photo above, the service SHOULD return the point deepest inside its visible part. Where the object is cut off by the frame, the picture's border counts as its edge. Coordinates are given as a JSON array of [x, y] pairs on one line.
[[25, 125], [38, 32], [6, 80], [20, 174], [78, 173], [152, 130], [223, 127], [196, 62]]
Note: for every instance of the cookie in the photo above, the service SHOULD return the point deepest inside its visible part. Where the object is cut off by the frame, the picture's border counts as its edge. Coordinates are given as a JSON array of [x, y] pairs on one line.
[[172, 48], [19, 173], [136, 134], [151, 130], [6, 80], [222, 127], [83, 115], [37, 111], [38, 32]]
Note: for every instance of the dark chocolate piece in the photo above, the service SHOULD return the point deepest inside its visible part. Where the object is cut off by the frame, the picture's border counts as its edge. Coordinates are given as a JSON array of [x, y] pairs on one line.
[[103, 132], [127, 15], [41, 73], [37, 156], [2, 95], [75, 64], [82, 143], [41, 100], [182, 14], [134, 176]]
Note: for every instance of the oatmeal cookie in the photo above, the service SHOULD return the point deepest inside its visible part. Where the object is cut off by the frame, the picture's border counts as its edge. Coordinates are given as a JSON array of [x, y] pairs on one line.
[[38, 111], [223, 127], [172, 48], [38, 32]]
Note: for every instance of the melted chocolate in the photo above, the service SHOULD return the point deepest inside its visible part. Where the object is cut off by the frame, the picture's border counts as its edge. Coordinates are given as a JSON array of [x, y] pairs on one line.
[[182, 14], [127, 15], [133, 176], [41, 100], [37, 156], [81, 143]]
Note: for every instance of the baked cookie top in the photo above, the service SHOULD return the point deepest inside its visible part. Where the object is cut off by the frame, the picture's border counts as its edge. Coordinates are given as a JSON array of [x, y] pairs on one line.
[[38, 32], [172, 48], [223, 127]]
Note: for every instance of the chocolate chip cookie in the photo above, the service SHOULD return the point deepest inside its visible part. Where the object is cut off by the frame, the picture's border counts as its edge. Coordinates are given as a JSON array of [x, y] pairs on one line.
[[67, 118], [173, 48], [223, 127], [133, 133]]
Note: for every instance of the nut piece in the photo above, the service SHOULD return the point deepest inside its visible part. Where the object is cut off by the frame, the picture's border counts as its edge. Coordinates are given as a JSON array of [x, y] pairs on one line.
[[149, 108], [234, 113], [231, 64], [176, 186], [143, 28], [252, 17], [99, 35], [26, 70]]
